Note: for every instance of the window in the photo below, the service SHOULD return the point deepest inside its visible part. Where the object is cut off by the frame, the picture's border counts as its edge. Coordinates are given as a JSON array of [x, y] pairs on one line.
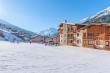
[[84, 34], [77, 34], [71, 41], [90, 34], [107, 43], [68, 29], [97, 42], [72, 35], [91, 42], [71, 28], [68, 35], [77, 41]]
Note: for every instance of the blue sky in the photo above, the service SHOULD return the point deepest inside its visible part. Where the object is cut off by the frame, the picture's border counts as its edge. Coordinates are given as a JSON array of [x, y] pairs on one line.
[[36, 15]]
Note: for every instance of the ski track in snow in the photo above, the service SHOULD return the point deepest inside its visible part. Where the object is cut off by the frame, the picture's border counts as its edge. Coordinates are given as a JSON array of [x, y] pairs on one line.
[[37, 58]]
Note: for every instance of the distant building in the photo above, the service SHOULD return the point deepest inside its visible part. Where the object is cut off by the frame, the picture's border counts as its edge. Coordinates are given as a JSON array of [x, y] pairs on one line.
[[67, 33], [38, 38], [56, 39]]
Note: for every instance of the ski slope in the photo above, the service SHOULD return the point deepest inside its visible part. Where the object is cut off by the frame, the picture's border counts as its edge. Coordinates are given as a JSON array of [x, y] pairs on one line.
[[37, 58]]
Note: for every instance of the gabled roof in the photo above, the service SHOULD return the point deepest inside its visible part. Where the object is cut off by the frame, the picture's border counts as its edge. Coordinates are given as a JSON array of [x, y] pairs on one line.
[[61, 24], [103, 24], [37, 36]]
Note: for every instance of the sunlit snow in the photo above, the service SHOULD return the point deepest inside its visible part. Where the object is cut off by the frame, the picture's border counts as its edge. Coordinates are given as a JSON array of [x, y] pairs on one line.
[[37, 58]]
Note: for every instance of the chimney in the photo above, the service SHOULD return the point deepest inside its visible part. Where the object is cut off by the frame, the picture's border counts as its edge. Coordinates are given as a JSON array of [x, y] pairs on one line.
[[65, 21]]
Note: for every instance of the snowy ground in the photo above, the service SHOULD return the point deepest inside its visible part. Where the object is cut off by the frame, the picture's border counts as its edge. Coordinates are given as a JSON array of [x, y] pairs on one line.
[[37, 58]]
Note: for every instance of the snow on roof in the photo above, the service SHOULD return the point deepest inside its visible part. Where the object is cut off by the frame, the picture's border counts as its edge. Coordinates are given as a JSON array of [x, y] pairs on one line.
[[106, 24]]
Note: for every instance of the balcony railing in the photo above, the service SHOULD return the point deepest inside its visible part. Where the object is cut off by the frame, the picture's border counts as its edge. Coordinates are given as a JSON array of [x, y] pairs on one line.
[[70, 38], [71, 31]]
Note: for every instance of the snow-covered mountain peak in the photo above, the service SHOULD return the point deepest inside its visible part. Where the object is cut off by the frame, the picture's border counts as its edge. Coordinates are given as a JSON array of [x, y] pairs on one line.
[[9, 32], [104, 12], [101, 17], [48, 32], [107, 8]]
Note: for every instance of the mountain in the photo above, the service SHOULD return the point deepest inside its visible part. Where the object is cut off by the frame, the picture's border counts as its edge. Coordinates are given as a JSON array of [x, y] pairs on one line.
[[100, 17], [48, 32], [8, 36], [10, 32]]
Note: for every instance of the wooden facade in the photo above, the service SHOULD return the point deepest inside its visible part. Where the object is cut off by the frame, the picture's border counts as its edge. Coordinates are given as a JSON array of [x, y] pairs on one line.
[[97, 36]]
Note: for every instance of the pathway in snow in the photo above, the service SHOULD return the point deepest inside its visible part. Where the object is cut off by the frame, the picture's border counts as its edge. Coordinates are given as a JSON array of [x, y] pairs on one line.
[[37, 58]]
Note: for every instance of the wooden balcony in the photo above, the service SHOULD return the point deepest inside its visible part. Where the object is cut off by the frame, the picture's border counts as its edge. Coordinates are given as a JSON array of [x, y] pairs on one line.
[[71, 38], [70, 31], [89, 46]]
